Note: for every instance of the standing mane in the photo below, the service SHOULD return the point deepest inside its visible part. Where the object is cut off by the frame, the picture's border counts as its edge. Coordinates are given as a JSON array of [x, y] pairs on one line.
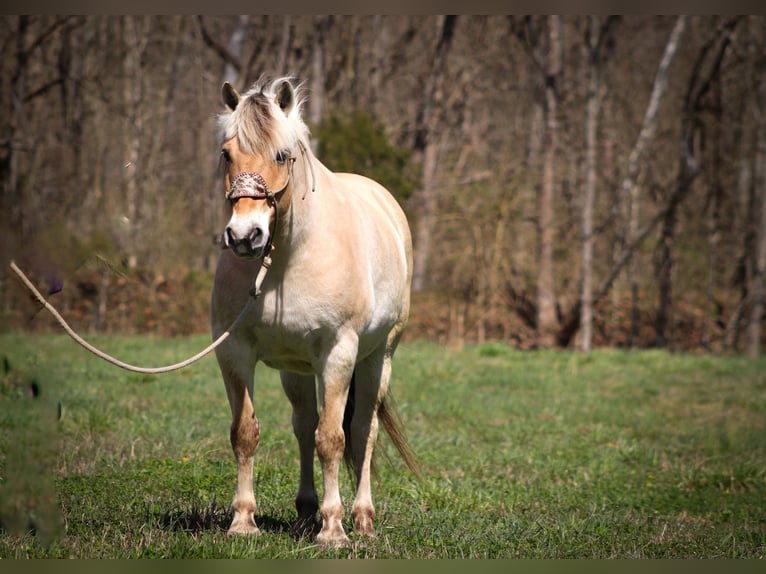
[[260, 124]]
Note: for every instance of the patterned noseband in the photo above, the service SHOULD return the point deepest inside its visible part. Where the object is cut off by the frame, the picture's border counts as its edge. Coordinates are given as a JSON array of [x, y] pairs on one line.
[[251, 184]]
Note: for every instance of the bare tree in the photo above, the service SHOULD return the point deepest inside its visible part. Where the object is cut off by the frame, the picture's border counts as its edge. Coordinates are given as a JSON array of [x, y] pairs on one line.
[[231, 54], [426, 148], [704, 72], [758, 283], [758, 289], [636, 235], [133, 92], [547, 321], [283, 55], [597, 38], [629, 187], [27, 39]]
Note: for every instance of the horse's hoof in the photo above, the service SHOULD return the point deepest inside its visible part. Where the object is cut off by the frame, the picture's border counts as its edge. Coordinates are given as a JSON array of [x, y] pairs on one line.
[[335, 539], [243, 528], [363, 525]]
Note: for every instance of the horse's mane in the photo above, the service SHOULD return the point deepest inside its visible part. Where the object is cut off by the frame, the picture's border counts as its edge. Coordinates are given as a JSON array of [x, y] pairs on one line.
[[259, 123]]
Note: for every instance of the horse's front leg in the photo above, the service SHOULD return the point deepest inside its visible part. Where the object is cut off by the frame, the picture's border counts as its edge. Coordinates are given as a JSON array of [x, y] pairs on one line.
[[334, 380], [301, 391], [237, 365]]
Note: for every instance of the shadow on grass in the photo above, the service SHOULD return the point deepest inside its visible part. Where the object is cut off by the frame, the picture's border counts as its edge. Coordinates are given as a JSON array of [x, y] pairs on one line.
[[213, 518]]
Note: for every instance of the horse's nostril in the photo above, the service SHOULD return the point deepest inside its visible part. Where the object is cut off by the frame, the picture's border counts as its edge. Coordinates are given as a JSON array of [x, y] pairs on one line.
[[256, 234], [229, 237]]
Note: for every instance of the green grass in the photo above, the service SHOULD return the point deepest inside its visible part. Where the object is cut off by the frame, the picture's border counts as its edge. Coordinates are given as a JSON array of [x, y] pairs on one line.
[[525, 455]]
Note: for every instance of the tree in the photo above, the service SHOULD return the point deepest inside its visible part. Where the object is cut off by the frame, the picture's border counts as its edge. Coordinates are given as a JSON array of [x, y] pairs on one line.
[[231, 55], [598, 38], [547, 321], [758, 289], [628, 188], [426, 151], [758, 283], [701, 79]]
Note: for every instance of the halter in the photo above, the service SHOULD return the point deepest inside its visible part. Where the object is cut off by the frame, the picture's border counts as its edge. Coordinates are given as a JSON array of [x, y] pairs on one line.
[[252, 185]]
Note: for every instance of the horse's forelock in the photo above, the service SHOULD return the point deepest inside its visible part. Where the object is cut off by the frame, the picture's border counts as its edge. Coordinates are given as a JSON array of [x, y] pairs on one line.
[[260, 124]]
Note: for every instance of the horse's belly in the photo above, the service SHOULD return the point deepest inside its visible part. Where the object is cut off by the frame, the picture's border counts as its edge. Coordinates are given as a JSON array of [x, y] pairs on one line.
[[285, 351], [291, 365], [300, 350]]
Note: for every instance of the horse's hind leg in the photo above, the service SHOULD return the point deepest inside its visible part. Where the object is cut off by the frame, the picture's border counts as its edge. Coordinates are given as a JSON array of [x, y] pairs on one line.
[[237, 365], [301, 391], [372, 376]]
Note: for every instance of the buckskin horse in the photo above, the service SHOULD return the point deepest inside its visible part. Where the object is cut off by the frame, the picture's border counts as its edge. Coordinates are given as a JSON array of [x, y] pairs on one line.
[[328, 314]]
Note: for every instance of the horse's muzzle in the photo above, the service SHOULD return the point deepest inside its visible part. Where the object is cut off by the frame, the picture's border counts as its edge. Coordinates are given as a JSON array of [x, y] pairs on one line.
[[248, 246]]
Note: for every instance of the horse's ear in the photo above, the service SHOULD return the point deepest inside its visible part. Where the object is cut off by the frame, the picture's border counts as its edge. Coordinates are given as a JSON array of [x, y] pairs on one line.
[[230, 96], [285, 96]]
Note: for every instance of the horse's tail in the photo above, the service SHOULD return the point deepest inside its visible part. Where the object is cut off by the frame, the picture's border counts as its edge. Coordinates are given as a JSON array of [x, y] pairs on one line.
[[389, 418]]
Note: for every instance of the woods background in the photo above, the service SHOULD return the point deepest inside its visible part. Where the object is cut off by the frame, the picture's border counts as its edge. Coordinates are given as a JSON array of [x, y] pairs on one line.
[[570, 181]]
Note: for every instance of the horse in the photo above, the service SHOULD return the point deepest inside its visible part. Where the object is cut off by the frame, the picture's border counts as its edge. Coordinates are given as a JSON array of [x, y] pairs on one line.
[[330, 311]]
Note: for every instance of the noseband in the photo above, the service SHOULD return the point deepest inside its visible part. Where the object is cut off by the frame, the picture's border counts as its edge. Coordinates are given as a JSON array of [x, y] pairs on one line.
[[251, 184]]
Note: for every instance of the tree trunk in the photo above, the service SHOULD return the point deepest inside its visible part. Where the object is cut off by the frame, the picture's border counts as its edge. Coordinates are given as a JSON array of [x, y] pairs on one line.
[[591, 130], [426, 200], [316, 102], [629, 187], [379, 54], [283, 56], [693, 106], [714, 200], [546, 297], [232, 73], [135, 42], [11, 205], [758, 287]]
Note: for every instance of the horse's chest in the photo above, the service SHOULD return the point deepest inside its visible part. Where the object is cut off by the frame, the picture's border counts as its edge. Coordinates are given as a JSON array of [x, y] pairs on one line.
[[288, 340]]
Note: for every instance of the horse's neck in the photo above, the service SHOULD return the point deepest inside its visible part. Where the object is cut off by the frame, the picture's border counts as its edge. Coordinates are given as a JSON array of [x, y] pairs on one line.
[[312, 186]]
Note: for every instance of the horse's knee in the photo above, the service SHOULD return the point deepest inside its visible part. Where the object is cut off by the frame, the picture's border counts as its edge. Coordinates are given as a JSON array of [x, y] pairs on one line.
[[245, 435]]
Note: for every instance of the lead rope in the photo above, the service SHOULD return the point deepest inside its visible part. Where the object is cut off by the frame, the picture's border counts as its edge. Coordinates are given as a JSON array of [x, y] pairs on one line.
[[254, 292]]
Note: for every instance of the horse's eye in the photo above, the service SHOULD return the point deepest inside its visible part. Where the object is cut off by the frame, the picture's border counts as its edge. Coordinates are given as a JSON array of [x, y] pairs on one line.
[[281, 157], [225, 156]]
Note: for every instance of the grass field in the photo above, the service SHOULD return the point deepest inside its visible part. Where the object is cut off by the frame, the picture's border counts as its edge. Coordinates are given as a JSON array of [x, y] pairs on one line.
[[525, 455]]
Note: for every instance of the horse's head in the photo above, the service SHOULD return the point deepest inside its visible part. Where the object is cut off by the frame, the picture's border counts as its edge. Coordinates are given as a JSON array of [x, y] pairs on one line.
[[260, 134]]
